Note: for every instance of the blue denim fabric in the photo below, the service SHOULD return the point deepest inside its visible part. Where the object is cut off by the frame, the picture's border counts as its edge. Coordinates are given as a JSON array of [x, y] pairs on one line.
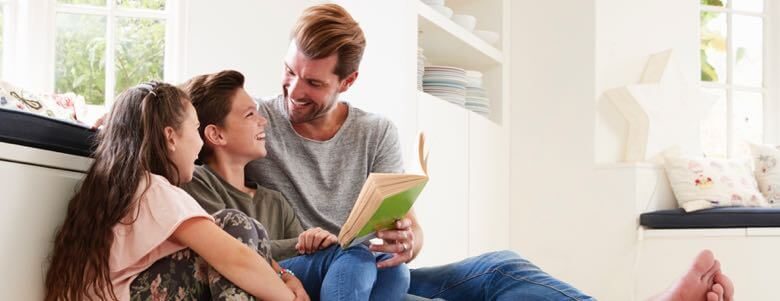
[[351, 274], [493, 276]]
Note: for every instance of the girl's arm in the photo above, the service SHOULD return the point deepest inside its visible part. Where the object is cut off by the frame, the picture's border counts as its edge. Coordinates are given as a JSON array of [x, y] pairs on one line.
[[232, 259], [292, 283]]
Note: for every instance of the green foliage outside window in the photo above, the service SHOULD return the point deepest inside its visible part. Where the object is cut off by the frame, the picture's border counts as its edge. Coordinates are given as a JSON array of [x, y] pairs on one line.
[[139, 50], [712, 3], [81, 45], [80, 56], [709, 40], [145, 4]]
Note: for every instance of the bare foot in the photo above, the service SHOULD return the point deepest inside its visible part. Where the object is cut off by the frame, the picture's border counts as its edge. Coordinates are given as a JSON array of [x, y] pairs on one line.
[[698, 283], [716, 294], [727, 285]]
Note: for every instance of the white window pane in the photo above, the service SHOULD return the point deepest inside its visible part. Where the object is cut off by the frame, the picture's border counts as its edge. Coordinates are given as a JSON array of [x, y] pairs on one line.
[[714, 137], [84, 2], [80, 56], [748, 120], [748, 40], [713, 47], [140, 51], [144, 4], [749, 5]]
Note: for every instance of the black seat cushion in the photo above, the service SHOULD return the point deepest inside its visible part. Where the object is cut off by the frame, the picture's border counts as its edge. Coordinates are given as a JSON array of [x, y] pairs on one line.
[[41, 132], [723, 217]]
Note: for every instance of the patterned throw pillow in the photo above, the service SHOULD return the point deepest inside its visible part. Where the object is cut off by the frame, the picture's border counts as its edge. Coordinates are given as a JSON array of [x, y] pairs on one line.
[[68, 107], [700, 183], [767, 172]]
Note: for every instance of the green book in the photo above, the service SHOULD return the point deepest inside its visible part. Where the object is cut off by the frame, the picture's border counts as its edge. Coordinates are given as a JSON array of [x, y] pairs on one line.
[[384, 199]]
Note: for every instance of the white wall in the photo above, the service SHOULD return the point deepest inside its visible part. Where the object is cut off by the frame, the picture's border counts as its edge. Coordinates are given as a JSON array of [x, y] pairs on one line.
[[248, 36], [627, 32], [252, 37], [573, 210], [552, 114]]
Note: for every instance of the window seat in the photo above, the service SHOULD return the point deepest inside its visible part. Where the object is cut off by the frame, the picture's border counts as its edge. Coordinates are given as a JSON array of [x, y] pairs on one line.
[[31, 130], [724, 217]]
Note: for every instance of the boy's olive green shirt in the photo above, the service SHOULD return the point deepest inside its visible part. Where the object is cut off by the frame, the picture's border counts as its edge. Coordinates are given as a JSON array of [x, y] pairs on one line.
[[268, 206]]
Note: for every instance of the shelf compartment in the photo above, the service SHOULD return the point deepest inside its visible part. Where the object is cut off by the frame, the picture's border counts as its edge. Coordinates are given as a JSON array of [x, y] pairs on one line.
[[446, 43]]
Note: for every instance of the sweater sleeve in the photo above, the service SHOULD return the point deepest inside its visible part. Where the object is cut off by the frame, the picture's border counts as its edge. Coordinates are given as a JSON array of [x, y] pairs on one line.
[[285, 248]]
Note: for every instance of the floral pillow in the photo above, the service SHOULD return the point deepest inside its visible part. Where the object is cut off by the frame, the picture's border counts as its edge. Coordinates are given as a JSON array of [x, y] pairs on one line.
[[700, 183], [68, 107], [767, 172]]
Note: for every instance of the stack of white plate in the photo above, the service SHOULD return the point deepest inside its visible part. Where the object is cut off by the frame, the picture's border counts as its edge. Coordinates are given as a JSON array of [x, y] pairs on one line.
[[420, 68], [445, 82], [476, 97], [433, 2]]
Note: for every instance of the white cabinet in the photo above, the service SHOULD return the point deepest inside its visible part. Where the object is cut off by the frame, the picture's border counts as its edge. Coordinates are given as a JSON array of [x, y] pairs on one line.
[[749, 260], [488, 186], [442, 208], [35, 198], [464, 210]]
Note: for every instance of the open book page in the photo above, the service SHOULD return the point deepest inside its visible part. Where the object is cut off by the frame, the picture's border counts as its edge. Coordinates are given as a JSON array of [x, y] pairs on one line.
[[383, 199]]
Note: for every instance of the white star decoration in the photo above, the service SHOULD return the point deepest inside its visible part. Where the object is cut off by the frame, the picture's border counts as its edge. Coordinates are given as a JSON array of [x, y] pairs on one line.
[[663, 111]]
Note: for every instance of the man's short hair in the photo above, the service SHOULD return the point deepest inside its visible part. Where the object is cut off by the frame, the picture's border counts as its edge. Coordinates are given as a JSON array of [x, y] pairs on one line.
[[327, 29]]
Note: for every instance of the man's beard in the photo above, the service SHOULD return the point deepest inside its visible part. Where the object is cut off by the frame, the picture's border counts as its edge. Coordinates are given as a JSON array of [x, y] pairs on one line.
[[314, 113]]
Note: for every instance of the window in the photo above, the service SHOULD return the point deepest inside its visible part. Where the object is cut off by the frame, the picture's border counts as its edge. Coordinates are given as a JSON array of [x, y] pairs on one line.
[[102, 47], [733, 67]]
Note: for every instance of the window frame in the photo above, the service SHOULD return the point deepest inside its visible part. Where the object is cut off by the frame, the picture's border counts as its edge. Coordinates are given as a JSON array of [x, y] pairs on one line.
[[174, 19], [768, 89]]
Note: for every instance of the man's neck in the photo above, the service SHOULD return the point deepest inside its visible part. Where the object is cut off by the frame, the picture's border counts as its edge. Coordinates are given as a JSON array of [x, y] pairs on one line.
[[231, 170], [325, 127]]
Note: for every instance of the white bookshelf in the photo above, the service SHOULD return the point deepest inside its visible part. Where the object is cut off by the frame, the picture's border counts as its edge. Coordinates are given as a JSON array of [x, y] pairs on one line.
[[446, 43], [468, 194]]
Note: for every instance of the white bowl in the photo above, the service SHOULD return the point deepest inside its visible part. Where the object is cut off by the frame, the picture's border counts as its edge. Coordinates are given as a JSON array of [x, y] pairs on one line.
[[466, 21], [434, 2], [491, 37], [446, 11]]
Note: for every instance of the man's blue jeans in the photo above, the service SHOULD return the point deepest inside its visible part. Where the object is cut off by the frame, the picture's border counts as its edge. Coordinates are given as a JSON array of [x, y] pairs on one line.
[[492, 276], [351, 274]]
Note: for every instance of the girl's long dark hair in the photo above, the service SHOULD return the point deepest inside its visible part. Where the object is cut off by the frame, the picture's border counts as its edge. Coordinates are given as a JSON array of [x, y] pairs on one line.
[[131, 146]]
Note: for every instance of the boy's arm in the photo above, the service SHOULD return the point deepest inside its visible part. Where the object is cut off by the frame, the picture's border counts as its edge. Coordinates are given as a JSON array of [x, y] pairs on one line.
[[285, 248]]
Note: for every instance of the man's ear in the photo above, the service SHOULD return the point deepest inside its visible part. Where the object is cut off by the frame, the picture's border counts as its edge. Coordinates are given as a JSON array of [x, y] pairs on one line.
[[213, 135], [347, 82], [170, 138]]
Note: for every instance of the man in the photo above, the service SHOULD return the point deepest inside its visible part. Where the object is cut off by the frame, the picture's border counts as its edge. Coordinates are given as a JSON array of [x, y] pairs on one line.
[[322, 150], [233, 134]]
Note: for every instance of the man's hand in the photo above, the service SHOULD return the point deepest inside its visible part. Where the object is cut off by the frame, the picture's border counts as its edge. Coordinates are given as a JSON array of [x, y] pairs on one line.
[[399, 241], [314, 239], [296, 287]]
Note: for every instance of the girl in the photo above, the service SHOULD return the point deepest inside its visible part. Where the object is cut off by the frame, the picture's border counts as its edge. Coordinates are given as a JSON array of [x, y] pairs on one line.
[[131, 233]]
